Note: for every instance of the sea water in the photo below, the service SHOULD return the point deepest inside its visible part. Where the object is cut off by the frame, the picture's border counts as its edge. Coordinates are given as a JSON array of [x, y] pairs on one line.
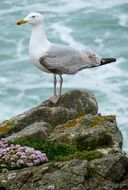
[[99, 24]]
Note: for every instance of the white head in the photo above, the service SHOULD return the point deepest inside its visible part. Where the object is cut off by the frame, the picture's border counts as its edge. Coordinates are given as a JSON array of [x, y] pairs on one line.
[[33, 19]]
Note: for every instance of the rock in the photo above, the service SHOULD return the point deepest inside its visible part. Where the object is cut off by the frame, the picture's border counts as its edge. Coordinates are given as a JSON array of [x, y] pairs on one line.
[[84, 148], [70, 106], [79, 187], [113, 166], [67, 176], [74, 174], [37, 129], [80, 101], [93, 131]]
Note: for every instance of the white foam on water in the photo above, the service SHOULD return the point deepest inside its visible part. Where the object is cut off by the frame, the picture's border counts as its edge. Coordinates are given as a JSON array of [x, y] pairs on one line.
[[65, 6], [123, 20], [65, 34], [23, 86]]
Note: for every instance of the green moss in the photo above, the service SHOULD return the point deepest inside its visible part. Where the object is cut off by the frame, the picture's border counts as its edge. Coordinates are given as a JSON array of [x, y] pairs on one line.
[[51, 148], [84, 155], [58, 151]]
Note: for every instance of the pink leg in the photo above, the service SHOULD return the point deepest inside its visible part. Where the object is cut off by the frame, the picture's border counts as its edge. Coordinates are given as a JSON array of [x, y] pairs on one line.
[[61, 82], [56, 97], [55, 85]]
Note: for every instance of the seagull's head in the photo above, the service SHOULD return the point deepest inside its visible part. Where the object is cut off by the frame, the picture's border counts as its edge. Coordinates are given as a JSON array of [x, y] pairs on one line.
[[33, 19]]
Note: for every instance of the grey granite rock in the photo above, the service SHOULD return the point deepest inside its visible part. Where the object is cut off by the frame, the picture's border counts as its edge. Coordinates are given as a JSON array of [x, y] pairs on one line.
[[113, 166], [70, 106]]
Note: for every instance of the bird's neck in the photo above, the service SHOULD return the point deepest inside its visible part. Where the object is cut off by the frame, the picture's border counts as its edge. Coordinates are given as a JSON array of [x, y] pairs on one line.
[[39, 41]]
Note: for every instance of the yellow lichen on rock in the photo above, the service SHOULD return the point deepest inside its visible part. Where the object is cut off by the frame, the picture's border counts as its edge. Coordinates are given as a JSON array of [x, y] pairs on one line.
[[6, 126], [98, 120], [73, 122], [110, 117]]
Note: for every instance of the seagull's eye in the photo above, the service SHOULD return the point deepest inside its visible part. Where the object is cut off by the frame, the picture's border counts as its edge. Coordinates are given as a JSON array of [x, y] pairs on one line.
[[33, 16]]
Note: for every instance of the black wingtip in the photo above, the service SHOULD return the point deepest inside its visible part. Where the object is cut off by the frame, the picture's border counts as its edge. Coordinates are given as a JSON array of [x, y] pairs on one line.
[[107, 60]]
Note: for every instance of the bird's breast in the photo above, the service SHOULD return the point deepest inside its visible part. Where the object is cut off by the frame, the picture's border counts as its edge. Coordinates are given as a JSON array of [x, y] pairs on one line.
[[35, 55]]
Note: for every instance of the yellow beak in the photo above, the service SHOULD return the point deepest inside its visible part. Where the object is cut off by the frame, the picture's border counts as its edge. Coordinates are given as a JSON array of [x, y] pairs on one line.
[[19, 22]]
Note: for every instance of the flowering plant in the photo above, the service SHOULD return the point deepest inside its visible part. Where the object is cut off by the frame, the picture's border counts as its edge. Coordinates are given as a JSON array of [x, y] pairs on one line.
[[51, 187], [15, 156]]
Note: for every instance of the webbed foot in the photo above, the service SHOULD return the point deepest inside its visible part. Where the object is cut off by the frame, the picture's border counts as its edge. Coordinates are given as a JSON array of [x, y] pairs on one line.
[[54, 99]]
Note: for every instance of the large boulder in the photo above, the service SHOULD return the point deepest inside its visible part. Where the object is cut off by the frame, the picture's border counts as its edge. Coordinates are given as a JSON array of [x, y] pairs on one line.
[[70, 106]]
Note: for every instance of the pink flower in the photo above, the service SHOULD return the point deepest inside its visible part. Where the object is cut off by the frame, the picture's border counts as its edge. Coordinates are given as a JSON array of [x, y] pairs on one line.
[[23, 157], [51, 187], [18, 153], [17, 146], [20, 162], [12, 159], [29, 164], [37, 152], [33, 156], [12, 156], [29, 150]]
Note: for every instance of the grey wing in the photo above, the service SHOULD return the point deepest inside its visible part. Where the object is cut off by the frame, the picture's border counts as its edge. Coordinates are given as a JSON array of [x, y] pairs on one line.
[[66, 60]]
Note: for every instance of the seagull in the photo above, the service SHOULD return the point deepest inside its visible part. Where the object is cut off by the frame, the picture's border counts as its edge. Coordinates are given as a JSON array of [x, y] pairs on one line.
[[55, 58]]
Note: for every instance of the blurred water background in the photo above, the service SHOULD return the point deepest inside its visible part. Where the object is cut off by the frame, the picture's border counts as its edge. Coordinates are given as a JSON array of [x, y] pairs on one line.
[[101, 25]]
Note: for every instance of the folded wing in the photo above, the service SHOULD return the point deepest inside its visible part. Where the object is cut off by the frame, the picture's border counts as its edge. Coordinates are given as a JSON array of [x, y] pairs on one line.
[[66, 60]]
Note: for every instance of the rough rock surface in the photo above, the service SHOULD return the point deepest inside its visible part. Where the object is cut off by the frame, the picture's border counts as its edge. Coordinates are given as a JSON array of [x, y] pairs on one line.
[[75, 121], [70, 106]]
